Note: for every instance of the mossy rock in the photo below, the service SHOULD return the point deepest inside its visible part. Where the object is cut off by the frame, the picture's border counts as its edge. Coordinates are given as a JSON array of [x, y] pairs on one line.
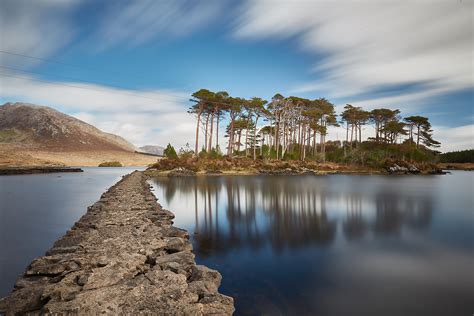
[[111, 164]]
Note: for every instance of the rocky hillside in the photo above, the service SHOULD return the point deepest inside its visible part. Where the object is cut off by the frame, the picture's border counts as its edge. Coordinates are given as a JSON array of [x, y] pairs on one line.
[[153, 150], [41, 127]]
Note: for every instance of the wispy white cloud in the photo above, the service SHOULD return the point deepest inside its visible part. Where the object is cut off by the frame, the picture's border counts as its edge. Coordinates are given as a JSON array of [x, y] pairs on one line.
[[46, 26], [136, 22], [455, 138], [142, 117], [370, 44], [408, 102], [40, 26]]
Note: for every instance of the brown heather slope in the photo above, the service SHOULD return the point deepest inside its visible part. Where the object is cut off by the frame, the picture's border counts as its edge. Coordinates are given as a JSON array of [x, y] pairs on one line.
[[32, 135]]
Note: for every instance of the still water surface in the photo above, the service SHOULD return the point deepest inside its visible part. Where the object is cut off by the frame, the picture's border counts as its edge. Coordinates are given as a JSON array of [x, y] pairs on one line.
[[333, 245], [37, 209]]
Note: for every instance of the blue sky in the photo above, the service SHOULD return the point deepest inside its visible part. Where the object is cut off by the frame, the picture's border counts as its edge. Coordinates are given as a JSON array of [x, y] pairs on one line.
[[129, 67]]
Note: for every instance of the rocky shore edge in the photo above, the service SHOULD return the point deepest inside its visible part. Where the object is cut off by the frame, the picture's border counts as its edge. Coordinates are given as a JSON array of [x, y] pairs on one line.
[[391, 170], [124, 256], [33, 170]]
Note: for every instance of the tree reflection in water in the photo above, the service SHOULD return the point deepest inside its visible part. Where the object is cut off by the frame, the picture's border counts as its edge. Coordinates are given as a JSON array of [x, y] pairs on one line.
[[332, 245], [236, 212]]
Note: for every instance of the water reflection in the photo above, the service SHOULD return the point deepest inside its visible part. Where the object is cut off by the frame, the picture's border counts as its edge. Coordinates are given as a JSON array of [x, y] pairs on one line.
[[354, 225], [289, 211], [308, 245]]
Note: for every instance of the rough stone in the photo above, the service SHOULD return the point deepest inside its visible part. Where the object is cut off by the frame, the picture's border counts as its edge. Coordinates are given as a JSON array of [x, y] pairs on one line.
[[122, 257]]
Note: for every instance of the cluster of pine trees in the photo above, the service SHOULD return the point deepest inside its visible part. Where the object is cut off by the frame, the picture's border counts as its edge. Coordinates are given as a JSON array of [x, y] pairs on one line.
[[295, 126], [462, 156]]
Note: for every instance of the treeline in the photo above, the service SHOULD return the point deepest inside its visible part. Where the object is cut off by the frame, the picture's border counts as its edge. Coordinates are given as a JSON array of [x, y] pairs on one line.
[[296, 128], [462, 156]]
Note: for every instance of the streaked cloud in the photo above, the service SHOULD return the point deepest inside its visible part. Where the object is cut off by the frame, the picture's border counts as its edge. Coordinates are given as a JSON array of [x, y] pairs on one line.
[[368, 44], [135, 22], [39, 26], [455, 138], [359, 47]]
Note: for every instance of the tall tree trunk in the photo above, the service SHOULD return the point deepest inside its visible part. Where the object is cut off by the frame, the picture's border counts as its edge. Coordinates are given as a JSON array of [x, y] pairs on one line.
[[418, 136], [277, 137], [230, 148], [196, 144], [205, 133], [238, 145], [275, 132], [303, 143], [347, 139], [323, 147], [255, 139], [352, 133], [377, 127], [210, 136], [315, 150], [300, 137], [247, 137], [217, 130], [323, 140], [356, 135], [308, 141]]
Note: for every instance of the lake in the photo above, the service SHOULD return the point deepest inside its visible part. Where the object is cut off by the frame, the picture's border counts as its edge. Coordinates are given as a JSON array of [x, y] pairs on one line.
[[37, 209], [333, 245], [285, 245]]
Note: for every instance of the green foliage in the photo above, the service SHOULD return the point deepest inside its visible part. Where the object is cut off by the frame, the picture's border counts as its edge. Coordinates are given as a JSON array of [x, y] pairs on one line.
[[335, 155], [170, 152], [215, 153], [291, 155], [111, 164], [186, 152], [375, 155], [203, 153], [463, 156]]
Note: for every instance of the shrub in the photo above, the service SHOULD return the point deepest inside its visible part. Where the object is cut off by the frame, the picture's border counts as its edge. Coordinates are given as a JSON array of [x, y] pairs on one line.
[[111, 164], [170, 152], [185, 153], [214, 153], [165, 164]]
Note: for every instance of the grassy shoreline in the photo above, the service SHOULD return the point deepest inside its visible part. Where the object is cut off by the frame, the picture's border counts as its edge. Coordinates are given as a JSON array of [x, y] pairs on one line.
[[169, 167], [169, 173]]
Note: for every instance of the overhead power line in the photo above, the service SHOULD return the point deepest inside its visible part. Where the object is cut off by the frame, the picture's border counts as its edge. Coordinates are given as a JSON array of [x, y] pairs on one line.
[[38, 58], [54, 61], [79, 87]]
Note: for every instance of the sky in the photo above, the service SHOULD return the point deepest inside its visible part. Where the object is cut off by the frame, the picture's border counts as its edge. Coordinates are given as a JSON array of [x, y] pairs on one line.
[[129, 67]]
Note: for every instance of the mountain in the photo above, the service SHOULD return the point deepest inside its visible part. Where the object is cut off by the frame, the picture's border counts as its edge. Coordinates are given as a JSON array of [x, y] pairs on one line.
[[40, 127], [150, 149]]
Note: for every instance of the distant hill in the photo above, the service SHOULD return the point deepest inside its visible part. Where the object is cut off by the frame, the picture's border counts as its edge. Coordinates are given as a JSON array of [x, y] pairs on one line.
[[150, 149], [40, 127]]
